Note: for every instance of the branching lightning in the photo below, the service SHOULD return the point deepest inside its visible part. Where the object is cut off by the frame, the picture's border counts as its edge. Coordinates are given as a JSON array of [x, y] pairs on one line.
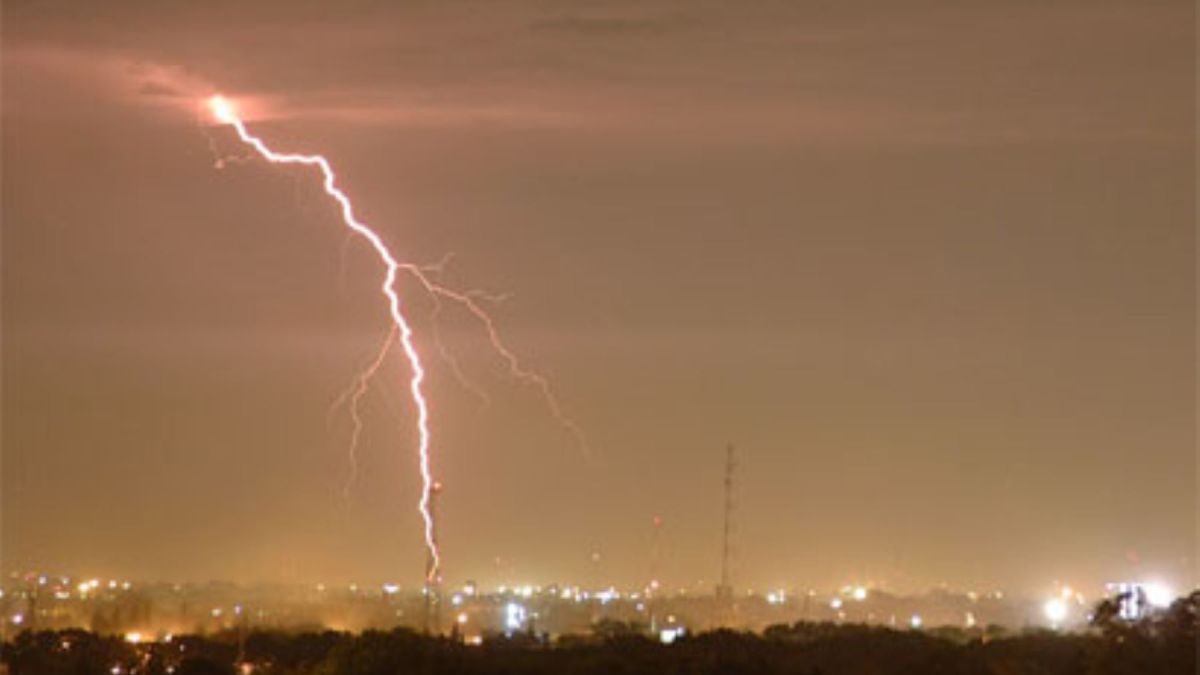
[[226, 114], [401, 331], [515, 369], [352, 395]]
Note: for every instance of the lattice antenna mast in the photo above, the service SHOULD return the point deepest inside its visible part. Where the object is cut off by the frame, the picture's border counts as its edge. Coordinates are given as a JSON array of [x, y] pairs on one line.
[[726, 589]]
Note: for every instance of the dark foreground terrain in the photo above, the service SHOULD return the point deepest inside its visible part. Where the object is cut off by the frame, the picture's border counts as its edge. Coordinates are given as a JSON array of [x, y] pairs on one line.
[[1166, 642]]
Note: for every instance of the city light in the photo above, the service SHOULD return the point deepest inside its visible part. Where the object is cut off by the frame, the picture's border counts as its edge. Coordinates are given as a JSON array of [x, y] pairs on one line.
[[1055, 610], [1158, 595], [514, 617], [1062, 608], [669, 635]]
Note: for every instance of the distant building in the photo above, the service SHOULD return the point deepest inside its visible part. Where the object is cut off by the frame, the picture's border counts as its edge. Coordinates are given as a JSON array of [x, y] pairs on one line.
[[1135, 600]]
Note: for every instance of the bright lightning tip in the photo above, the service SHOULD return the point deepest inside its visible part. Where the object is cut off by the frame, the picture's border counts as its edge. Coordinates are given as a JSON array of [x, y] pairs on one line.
[[222, 109]]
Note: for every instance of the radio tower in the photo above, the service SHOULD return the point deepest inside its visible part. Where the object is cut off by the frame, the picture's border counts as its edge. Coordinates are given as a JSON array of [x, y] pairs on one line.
[[725, 588], [654, 585], [433, 578]]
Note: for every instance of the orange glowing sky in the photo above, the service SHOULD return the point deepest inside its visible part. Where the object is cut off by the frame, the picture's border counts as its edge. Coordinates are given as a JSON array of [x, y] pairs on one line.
[[930, 267]]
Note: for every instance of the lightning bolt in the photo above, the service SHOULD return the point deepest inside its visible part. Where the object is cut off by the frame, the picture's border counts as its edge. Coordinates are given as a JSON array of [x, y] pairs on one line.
[[353, 395], [516, 370], [225, 112]]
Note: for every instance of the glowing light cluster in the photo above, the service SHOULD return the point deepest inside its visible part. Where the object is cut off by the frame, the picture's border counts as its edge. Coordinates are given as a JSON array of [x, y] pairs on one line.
[[1056, 610], [1158, 594], [514, 617]]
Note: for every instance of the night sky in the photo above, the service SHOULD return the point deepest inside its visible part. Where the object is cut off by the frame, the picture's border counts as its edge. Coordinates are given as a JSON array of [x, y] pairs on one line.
[[930, 266]]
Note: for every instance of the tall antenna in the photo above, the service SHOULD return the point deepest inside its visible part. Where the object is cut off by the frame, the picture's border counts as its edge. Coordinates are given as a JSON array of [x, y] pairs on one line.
[[725, 588], [656, 535], [653, 586]]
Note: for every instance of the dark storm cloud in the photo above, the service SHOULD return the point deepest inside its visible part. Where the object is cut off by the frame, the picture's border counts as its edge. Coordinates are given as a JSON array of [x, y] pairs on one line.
[[927, 74], [606, 26], [160, 89]]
